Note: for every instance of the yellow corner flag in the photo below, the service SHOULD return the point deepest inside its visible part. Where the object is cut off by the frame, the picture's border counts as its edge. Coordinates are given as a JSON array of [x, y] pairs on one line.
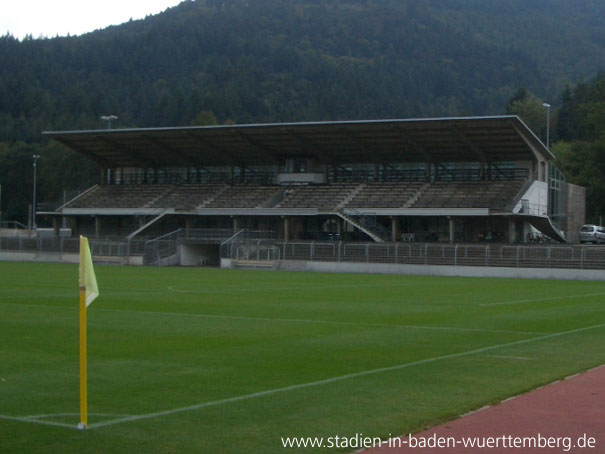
[[88, 280], [88, 292]]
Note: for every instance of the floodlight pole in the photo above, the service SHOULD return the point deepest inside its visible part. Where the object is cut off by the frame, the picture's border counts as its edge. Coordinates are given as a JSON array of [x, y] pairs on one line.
[[109, 119], [547, 106], [36, 157]]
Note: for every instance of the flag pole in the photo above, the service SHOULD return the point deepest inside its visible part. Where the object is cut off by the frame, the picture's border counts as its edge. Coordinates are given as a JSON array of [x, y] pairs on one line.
[[83, 382], [88, 292]]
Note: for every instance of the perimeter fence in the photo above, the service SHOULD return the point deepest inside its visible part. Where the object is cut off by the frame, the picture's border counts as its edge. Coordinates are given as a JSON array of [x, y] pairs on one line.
[[98, 247], [247, 246], [492, 255]]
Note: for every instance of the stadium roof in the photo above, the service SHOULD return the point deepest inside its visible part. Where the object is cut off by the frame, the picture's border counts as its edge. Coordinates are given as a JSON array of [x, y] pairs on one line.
[[492, 139]]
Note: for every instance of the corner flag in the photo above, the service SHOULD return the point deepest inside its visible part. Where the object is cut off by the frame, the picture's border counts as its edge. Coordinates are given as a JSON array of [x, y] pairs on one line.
[[88, 280], [88, 292]]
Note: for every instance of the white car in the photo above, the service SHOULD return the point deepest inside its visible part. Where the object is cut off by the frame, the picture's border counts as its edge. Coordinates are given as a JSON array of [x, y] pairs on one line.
[[592, 234]]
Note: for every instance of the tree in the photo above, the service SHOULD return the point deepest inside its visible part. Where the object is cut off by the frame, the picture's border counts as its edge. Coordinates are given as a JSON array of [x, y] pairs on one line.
[[531, 110], [204, 118], [582, 156], [583, 163]]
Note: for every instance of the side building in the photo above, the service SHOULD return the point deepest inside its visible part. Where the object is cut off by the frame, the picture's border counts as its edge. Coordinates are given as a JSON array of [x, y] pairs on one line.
[[469, 179]]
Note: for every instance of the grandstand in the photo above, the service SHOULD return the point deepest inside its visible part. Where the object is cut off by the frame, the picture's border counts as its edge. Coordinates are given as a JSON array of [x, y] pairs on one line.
[[468, 179]]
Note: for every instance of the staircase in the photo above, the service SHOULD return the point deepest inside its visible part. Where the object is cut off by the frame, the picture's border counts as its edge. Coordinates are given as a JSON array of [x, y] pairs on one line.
[[412, 200], [377, 233], [350, 196], [131, 235], [160, 196], [215, 196]]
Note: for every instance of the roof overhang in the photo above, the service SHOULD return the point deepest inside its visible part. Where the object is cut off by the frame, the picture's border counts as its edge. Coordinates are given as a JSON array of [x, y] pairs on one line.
[[542, 223], [458, 139]]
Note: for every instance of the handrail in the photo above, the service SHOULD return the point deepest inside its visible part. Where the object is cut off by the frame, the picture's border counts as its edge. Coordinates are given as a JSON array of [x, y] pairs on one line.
[[16, 224], [232, 237], [163, 236], [79, 195]]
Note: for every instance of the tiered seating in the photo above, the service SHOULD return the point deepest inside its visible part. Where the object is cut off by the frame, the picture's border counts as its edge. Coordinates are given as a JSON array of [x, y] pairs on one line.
[[187, 196], [245, 196], [440, 194], [323, 197], [385, 195], [121, 196], [479, 194]]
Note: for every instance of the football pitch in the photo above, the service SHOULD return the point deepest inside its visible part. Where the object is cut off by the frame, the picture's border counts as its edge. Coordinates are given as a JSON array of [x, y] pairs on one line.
[[226, 361]]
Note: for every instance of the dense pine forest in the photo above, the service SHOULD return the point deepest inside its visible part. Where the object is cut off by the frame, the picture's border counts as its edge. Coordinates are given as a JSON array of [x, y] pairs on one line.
[[237, 61]]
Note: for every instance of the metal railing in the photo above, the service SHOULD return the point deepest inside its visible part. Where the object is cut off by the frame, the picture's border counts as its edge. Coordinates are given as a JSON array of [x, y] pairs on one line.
[[368, 220], [490, 255], [159, 249], [216, 236], [98, 247], [244, 237], [13, 225], [164, 249], [258, 251], [524, 206]]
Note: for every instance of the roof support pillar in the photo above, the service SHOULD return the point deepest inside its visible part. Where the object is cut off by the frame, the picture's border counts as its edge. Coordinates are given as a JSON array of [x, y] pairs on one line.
[[188, 225], [236, 224], [74, 225], [395, 229], [242, 173], [286, 226], [511, 231], [452, 228], [97, 226], [56, 226]]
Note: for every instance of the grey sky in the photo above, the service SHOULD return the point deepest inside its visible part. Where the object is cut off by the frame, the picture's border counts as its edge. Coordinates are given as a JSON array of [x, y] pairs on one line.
[[74, 17]]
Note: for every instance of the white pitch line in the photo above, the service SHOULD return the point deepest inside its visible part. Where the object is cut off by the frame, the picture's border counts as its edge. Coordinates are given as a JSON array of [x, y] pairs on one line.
[[520, 358], [54, 415], [334, 379], [37, 421], [303, 287], [323, 322], [40, 419], [284, 320], [537, 300]]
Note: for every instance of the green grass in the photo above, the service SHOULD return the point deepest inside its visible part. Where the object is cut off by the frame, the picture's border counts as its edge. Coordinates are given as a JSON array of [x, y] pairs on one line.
[[164, 339]]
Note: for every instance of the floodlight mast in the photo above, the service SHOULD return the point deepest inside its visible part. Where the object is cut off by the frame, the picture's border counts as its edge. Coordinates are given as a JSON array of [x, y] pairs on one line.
[[109, 119], [36, 157]]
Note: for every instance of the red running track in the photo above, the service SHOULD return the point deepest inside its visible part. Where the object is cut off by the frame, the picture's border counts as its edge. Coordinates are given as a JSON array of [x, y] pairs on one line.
[[573, 408]]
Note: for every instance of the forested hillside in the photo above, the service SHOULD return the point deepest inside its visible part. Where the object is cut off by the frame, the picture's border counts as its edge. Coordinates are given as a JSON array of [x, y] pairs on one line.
[[283, 60], [580, 150]]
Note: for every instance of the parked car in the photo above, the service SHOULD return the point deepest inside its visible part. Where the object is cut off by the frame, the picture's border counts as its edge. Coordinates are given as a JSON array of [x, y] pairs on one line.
[[592, 234]]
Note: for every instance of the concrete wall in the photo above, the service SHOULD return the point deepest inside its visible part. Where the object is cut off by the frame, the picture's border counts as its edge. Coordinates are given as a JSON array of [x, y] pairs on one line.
[[575, 209], [434, 270], [50, 257], [537, 197], [17, 233], [58, 257]]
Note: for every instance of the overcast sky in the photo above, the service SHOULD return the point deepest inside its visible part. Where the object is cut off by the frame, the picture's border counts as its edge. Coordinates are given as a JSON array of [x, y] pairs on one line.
[[61, 17]]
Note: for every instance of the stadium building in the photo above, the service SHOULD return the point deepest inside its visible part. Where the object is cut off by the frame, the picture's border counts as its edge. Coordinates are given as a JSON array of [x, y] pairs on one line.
[[470, 179]]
